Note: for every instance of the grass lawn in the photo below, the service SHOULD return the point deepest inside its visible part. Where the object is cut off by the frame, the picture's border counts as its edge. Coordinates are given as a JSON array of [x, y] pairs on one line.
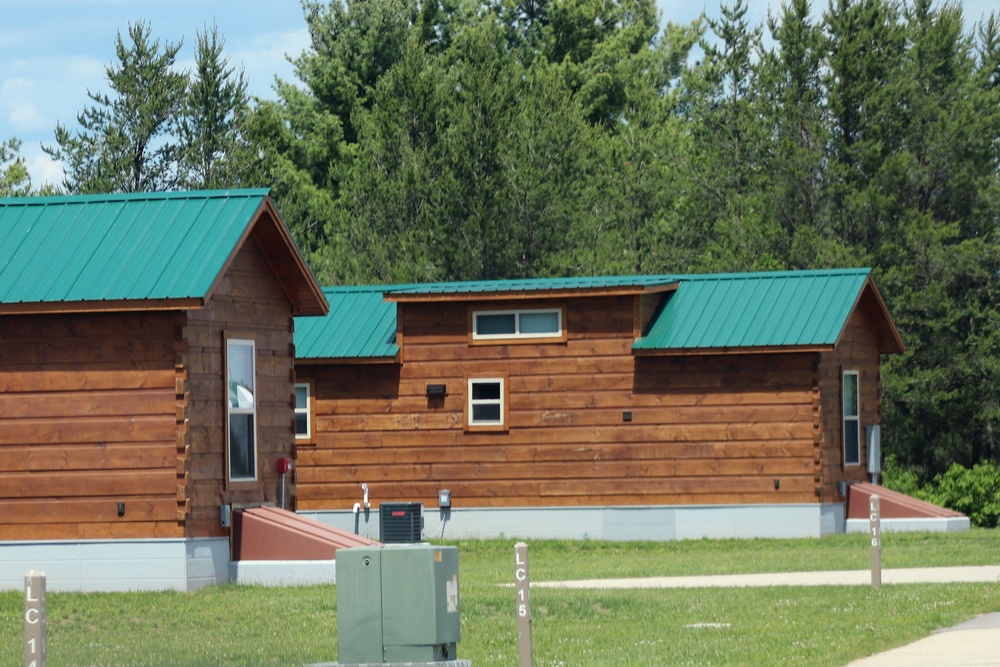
[[231, 625]]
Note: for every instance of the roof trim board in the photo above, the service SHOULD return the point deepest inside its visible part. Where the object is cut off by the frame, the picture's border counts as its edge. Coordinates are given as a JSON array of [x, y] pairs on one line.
[[556, 293], [305, 288], [131, 305], [708, 351], [871, 301], [310, 289], [360, 361], [529, 287]]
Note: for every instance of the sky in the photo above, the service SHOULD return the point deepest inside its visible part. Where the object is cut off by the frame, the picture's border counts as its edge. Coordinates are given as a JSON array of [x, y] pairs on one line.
[[53, 51]]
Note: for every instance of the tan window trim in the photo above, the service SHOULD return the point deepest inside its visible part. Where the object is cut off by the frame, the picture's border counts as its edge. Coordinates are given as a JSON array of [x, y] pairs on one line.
[[502, 427], [844, 418], [561, 337], [241, 483], [309, 439]]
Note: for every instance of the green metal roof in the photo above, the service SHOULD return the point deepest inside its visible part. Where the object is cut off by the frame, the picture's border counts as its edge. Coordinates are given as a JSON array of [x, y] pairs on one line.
[[530, 285], [361, 325], [752, 310], [785, 309], [92, 248]]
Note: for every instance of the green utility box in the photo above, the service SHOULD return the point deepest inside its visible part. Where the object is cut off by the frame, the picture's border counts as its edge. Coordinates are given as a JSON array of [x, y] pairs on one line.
[[397, 603]]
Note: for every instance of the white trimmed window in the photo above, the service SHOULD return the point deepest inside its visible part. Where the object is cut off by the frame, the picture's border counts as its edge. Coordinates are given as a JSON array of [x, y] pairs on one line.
[[852, 419], [241, 409], [486, 406], [498, 324], [303, 411]]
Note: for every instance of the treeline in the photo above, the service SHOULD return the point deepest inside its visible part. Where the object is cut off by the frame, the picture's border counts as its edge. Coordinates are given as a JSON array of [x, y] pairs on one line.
[[451, 140]]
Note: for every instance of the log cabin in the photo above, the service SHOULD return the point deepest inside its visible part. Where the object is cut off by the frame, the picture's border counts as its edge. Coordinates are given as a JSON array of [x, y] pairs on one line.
[[642, 407], [146, 382]]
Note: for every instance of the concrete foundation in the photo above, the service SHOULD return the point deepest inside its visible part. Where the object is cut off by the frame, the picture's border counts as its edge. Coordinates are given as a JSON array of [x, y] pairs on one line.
[[117, 565], [610, 523], [927, 524], [283, 572]]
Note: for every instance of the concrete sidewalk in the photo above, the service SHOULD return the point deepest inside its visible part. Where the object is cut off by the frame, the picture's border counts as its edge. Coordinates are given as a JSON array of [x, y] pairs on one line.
[[973, 643], [918, 575]]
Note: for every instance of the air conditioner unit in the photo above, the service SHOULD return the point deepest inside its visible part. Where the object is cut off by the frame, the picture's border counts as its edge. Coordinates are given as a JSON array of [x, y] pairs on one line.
[[400, 523]]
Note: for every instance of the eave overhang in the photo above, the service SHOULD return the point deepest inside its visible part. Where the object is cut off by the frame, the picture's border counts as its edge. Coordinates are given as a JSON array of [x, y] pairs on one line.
[[128, 305], [285, 260], [708, 351], [870, 302]]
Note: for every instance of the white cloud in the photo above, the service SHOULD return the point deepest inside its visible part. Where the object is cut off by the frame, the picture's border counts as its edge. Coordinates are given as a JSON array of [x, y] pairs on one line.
[[25, 117], [267, 57], [43, 169], [18, 108]]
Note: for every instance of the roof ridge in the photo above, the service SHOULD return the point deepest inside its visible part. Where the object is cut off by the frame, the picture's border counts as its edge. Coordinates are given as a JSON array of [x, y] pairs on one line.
[[135, 196], [461, 285], [786, 273], [347, 289]]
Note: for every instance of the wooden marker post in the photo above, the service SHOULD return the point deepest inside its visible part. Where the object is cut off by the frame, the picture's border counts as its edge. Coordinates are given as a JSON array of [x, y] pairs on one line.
[[522, 593], [875, 533], [34, 619]]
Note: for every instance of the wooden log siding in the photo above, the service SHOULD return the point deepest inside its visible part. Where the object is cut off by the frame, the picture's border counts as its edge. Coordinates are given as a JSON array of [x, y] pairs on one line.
[[705, 429], [857, 351], [88, 420], [248, 302], [102, 408]]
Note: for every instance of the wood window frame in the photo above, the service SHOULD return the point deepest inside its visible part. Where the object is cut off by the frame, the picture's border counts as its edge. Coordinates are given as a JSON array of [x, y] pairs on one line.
[[233, 338], [488, 427], [516, 338], [310, 412], [850, 422]]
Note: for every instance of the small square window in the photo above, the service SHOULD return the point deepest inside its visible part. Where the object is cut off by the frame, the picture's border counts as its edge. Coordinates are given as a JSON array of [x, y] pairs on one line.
[[486, 402]]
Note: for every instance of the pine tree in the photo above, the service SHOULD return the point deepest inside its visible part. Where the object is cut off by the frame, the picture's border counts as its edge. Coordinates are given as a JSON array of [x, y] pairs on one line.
[[214, 150], [729, 150], [865, 48], [941, 264], [126, 141], [789, 81], [389, 209], [15, 181]]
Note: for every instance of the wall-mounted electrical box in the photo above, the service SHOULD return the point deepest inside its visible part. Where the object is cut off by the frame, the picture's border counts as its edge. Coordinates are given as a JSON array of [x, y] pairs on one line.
[[397, 603]]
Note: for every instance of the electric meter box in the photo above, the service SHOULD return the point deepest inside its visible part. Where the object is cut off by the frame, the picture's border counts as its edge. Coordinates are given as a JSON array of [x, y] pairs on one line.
[[397, 603]]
